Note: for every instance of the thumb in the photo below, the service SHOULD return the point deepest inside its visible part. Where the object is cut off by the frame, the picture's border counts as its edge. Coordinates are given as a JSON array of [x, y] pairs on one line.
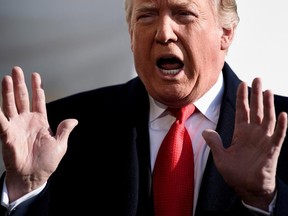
[[65, 128], [214, 141]]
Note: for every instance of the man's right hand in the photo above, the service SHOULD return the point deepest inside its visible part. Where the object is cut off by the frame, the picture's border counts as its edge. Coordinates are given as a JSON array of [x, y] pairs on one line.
[[31, 153]]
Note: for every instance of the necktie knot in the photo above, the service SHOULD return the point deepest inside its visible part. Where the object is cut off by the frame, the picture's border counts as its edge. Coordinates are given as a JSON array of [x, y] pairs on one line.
[[183, 113]]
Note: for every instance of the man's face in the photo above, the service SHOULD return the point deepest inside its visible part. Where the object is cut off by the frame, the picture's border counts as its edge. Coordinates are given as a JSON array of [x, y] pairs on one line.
[[178, 46]]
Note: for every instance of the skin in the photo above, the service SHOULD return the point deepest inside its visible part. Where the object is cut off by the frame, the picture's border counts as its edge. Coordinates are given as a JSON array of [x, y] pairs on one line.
[[187, 30]]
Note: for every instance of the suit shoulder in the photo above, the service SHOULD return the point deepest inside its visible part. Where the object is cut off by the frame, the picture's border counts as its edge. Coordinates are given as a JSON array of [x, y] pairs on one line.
[[112, 92], [281, 103]]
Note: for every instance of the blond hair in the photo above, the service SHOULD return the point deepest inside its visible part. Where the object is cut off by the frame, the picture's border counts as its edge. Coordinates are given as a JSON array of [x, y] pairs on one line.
[[227, 11]]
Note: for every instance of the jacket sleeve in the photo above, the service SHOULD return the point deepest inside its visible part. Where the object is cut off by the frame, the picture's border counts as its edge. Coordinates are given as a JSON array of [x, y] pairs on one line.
[[35, 206], [281, 207]]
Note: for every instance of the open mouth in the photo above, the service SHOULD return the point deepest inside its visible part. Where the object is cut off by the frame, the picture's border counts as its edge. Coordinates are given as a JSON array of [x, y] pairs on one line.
[[170, 65]]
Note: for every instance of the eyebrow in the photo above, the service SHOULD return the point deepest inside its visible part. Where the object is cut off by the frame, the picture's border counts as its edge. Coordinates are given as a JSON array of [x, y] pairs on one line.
[[146, 6], [153, 5]]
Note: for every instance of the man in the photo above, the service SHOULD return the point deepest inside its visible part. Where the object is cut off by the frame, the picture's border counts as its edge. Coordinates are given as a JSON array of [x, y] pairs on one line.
[[108, 167]]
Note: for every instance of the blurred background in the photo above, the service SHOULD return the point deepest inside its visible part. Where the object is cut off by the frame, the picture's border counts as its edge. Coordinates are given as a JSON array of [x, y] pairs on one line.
[[79, 45], [76, 45]]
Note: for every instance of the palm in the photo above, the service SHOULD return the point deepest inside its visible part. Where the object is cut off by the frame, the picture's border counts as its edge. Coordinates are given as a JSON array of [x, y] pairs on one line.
[[253, 154], [30, 147]]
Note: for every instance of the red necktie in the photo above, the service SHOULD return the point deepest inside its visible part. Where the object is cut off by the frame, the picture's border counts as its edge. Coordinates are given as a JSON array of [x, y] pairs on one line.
[[173, 175]]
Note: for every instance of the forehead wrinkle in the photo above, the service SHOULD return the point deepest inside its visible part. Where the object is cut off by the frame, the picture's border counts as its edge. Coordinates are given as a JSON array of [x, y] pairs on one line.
[[156, 4]]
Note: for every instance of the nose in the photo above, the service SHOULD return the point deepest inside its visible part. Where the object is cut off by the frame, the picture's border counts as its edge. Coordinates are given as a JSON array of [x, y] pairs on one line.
[[166, 31]]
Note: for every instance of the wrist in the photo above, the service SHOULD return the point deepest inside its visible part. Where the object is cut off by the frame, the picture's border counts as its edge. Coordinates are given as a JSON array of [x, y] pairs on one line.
[[18, 186]]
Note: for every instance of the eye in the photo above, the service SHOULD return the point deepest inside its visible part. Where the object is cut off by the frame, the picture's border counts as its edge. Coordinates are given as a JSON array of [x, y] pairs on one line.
[[185, 13], [185, 16], [147, 17]]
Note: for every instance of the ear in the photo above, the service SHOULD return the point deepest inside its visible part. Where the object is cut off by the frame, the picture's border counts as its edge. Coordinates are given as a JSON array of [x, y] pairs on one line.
[[227, 37]]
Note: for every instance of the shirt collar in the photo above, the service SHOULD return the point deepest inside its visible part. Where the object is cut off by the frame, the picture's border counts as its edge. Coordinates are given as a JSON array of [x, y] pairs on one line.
[[209, 104]]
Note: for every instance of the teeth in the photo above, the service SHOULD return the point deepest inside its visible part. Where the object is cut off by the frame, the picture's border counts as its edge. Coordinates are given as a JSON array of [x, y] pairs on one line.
[[170, 72]]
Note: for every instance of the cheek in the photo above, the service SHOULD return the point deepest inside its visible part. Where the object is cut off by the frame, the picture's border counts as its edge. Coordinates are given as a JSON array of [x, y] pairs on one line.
[[136, 38], [141, 45], [206, 48]]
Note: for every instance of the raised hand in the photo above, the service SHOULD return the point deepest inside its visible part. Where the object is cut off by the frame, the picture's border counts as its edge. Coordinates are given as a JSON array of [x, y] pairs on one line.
[[31, 153], [249, 164]]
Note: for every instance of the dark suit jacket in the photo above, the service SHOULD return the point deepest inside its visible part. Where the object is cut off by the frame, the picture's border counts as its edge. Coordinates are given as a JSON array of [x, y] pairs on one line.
[[106, 170]]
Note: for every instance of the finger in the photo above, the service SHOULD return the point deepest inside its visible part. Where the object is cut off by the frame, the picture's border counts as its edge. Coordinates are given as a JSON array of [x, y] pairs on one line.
[[65, 128], [20, 90], [242, 104], [8, 99], [3, 123], [214, 141], [280, 131], [256, 102], [269, 119], [38, 95]]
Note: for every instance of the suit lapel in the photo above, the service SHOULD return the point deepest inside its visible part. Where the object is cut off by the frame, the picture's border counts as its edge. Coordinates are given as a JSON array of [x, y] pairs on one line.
[[215, 195], [140, 113]]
